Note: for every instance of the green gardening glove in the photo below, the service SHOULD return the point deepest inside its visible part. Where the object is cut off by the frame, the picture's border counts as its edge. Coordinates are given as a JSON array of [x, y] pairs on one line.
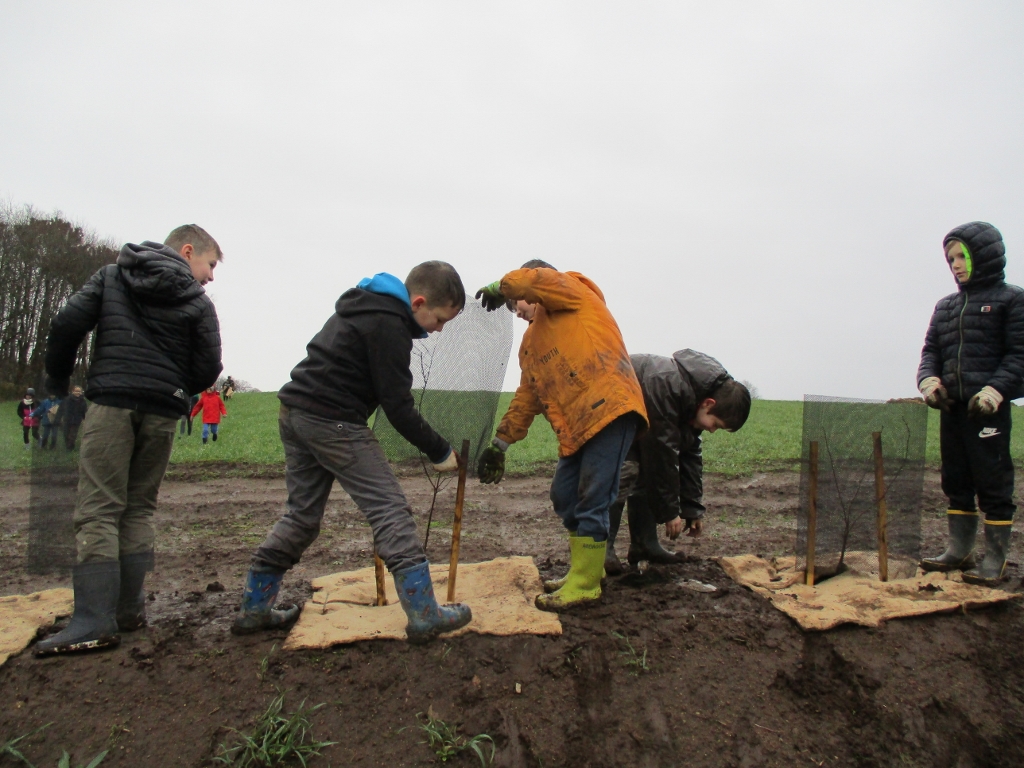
[[491, 466], [491, 297]]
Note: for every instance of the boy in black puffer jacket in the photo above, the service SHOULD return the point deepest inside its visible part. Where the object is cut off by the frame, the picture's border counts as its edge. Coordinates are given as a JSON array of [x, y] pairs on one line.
[[157, 340], [972, 365]]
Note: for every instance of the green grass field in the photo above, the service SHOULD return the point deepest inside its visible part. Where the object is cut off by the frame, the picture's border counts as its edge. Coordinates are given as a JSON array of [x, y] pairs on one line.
[[770, 439]]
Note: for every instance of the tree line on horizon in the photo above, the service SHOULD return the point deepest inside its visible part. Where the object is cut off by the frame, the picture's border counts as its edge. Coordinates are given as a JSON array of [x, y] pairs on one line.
[[44, 259]]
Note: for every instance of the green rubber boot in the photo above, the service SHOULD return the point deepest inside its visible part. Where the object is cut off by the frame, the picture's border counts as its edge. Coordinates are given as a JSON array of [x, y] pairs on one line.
[[993, 566], [583, 582], [959, 555], [553, 585]]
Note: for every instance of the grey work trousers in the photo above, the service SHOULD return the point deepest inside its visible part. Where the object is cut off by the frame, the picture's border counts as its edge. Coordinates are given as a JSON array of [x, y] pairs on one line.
[[123, 458], [317, 452]]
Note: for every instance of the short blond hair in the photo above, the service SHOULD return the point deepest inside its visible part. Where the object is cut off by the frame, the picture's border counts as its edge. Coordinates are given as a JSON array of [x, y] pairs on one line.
[[194, 235]]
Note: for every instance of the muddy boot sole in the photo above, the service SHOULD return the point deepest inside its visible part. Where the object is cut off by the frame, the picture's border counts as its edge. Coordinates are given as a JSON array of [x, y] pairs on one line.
[[78, 646]]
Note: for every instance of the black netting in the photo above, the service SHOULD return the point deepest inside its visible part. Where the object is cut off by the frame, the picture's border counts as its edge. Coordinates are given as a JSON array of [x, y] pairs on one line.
[[53, 486], [847, 512], [457, 378]]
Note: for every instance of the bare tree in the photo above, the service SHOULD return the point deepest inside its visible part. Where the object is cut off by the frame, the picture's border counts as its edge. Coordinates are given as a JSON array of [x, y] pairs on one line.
[[44, 259]]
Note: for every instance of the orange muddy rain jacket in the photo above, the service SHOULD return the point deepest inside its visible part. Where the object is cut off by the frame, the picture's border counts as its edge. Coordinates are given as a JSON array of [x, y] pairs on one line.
[[576, 370]]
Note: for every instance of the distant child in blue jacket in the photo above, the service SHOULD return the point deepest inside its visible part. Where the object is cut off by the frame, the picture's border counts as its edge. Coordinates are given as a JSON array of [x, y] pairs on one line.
[[47, 413]]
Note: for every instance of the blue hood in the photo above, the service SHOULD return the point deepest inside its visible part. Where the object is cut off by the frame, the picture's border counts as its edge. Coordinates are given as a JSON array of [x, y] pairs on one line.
[[388, 285]]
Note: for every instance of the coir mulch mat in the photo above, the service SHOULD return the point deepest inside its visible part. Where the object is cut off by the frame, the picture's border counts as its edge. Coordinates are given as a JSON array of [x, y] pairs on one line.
[[500, 592]]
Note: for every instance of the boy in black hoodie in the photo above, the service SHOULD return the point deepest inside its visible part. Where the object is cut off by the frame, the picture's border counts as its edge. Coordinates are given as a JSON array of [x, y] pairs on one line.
[[157, 340], [359, 360], [972, 365]]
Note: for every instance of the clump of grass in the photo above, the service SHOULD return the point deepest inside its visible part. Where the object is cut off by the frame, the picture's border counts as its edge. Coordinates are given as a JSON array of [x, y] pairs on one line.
[[65, 760], [275, 740], [445, 741], [11, 747], [636, 661], [265, 663]]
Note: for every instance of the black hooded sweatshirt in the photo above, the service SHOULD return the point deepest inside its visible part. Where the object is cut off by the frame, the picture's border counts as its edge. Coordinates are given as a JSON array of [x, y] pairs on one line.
[[673, 389], [976, 335], [359, 360], [157, 336]]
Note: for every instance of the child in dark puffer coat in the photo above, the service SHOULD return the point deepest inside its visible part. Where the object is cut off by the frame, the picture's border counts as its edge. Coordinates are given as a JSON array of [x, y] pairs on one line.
[[972, 365]]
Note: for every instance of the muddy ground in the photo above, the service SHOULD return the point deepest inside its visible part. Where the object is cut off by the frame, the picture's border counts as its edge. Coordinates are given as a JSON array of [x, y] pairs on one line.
[[731, 681]]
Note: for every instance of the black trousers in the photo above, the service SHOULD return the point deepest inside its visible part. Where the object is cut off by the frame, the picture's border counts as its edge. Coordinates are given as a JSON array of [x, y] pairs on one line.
[[976, 461]]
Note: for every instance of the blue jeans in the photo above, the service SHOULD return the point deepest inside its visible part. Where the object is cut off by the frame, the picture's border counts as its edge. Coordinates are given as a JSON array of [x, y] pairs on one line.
[[586, 483], [207, 428]]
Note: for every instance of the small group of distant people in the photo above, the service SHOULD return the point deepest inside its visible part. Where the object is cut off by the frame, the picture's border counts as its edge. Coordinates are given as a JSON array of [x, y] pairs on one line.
[[628, 427], [53, 415]]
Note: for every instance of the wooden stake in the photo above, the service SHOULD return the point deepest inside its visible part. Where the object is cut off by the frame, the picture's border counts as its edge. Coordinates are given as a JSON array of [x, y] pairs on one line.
[[812, 510], [883, 517], [378, 573], [460, 496]]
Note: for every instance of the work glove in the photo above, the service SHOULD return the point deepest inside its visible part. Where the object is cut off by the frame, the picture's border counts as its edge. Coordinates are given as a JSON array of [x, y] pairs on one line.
[[491, 297], [985, 403], [491, 466], [934, 393], [450, 462], [57, 387]]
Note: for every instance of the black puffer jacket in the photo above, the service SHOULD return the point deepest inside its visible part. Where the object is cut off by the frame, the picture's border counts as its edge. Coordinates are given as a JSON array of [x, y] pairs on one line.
[[157, 335], [671, 463], [360, 359], [976, 335]]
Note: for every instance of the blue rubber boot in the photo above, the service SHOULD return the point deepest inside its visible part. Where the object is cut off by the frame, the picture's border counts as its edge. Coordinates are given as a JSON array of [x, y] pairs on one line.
[[258, 612], [427, 619]]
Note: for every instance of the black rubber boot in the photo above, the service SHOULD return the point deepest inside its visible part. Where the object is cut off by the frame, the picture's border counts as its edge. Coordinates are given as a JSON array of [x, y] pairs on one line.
[[643, 539], [997, 545], [94, 623], [612, 564], [131, 605], [959, 555]]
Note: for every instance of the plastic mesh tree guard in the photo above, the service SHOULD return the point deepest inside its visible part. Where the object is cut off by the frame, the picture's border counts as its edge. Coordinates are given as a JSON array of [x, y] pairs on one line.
[[53, 489], [457, 377], [847, 510]]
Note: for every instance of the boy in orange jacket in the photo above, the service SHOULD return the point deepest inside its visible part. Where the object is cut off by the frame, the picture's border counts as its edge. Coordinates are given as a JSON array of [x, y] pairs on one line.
[[577, 373], [213, 408]]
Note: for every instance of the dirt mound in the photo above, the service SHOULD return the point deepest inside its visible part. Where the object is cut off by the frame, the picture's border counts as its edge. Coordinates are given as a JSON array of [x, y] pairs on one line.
[[656, 674]]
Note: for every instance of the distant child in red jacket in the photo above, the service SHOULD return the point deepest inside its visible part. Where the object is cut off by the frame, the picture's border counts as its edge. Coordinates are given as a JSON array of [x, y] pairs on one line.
[[212, 407]]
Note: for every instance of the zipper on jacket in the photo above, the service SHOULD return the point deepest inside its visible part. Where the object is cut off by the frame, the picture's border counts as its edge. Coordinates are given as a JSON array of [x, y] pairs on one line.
[[960, 349]]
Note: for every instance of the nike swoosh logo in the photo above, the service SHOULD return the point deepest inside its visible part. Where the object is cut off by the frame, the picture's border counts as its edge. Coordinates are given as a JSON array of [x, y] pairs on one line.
[[988, 432]]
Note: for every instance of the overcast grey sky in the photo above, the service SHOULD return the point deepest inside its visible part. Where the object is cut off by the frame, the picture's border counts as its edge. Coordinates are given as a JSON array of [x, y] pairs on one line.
[[765, 182]]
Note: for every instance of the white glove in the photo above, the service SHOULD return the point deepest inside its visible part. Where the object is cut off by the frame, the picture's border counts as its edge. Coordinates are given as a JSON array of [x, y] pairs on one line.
[[450, 463], [985, 403], [928, 386], [934, 393]]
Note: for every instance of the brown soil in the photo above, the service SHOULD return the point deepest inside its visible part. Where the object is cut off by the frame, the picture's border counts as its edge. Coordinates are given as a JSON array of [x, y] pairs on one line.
[[732, 682]]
